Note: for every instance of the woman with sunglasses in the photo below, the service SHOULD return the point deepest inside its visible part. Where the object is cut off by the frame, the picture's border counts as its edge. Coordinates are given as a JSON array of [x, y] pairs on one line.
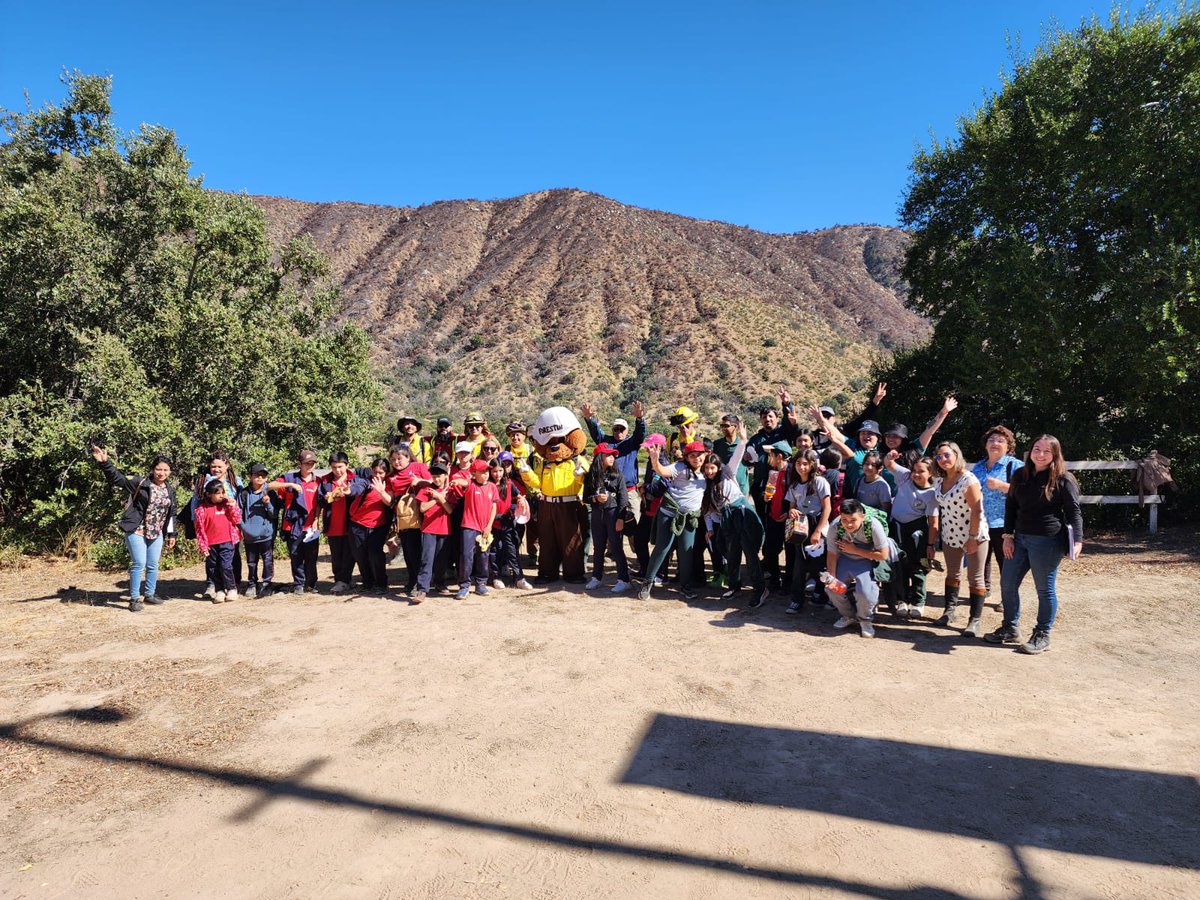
[[964, 532], [1042, 523]]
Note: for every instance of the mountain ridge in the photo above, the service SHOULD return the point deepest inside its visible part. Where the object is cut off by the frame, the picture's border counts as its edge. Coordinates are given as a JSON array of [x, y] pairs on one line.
[[565, 295]]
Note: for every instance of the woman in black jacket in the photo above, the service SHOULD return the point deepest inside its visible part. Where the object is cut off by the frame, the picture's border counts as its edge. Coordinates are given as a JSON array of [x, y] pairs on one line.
[[604, 490], [147, 522], [1042, 524]]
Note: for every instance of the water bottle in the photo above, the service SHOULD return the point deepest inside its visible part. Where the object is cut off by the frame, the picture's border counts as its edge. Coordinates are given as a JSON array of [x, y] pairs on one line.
[[769, 487], [837, 587]]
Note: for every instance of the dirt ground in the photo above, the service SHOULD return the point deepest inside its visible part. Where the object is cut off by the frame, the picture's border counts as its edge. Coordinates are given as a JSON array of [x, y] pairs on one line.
[[553, 744]]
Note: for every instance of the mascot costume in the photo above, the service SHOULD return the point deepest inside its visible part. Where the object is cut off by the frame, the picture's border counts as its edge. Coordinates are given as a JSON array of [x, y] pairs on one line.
[[555, 471]]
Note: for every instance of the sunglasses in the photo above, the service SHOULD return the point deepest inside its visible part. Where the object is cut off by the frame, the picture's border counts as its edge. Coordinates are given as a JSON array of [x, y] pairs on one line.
[[947, 455], [491, 449]]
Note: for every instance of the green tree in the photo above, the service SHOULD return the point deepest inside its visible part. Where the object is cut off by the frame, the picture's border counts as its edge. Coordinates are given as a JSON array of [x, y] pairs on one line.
[[138, 307], [1055, 243]]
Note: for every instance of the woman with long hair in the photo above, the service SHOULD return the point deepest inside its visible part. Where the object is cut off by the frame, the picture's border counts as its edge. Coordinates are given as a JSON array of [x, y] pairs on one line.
[[809, 506], [1042, 524], [964, 533], [727, 506], [678, 516], [148, 522]]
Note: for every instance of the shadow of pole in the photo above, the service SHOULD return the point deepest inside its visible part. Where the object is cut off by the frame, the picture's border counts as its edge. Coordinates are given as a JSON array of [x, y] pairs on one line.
[[276, 788]]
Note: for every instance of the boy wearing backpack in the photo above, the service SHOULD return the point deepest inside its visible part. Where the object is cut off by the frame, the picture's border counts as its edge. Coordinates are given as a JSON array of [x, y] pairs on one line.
[[260, 518]]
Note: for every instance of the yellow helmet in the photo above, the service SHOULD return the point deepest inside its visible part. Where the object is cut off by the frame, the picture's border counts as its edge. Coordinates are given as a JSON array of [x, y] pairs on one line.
[[685, 415]]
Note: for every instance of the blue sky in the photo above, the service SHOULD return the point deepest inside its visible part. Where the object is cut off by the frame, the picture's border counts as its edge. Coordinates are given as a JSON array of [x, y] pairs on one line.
[[784, 116]]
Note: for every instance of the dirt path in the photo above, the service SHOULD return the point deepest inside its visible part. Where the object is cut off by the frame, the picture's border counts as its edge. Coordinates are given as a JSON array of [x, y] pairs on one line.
[[563, 745]]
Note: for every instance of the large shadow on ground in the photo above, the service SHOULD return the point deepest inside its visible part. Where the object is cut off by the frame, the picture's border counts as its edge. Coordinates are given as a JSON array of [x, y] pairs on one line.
[[1123, 814], [262, 790]]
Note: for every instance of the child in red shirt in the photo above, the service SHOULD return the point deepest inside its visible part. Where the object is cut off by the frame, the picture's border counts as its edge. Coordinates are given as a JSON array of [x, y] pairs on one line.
[[216, 519], [435, 503], [479, 499], [370, 521]]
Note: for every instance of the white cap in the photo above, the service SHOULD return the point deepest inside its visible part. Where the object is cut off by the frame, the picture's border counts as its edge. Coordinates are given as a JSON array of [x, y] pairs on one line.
[[464, 447], [620, 423]]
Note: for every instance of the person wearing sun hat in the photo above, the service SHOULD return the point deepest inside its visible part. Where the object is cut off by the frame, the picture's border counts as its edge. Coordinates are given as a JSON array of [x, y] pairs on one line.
[[408, 434], [475, 431]]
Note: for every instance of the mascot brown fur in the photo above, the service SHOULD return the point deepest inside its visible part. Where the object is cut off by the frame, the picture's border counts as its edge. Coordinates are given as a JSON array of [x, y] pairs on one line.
[[556, 473]]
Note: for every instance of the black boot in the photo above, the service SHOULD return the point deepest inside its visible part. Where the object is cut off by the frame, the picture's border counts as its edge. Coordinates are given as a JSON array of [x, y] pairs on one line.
[[1005, 634], [951, 612], [974, 620]]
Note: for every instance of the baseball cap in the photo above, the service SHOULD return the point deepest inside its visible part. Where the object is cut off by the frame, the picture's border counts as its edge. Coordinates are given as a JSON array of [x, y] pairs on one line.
[[608, 449], [505, 456], [258, 469], [479, 466], [695, 447], [620, 423], [780, 447], [654, 440], [307, 456], [438, 467], [828, 411], [444, 422], [464, 447]]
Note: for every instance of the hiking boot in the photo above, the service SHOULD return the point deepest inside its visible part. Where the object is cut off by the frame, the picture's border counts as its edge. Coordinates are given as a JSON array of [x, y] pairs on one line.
[[523, 584], [1039, 642], [1005, 634], [154, 599], [592, 584], [644, 591], [251, 591], [843, 622], [867, 629], [298, 590], [265, 590], [135, 604], [621, 587]]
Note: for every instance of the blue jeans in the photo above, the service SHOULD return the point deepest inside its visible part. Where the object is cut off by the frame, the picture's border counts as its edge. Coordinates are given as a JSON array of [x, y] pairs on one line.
[[145, 555], [665, 539], [1041, 555], [473, 563]]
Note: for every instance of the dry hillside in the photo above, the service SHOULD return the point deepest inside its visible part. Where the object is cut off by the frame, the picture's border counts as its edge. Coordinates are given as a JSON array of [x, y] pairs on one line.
[[564, 296]]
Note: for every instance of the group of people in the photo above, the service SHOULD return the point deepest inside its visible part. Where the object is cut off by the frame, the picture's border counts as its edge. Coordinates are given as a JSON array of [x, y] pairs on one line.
[[843, 516]]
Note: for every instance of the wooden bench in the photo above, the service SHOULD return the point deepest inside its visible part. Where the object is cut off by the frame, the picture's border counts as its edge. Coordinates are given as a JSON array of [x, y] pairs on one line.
[[1109, 465]]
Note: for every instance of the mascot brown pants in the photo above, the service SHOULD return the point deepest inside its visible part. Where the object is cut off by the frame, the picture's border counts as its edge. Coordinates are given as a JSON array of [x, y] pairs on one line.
[[560, 533]]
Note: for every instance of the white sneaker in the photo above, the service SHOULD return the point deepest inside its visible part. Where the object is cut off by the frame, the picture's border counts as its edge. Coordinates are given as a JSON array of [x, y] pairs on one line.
[[210, 591], [867, 629], [218, 596], [592, 584], [902, 610], [498, 584], [230, 596], [523, 585], [621, 586], [843, 622]]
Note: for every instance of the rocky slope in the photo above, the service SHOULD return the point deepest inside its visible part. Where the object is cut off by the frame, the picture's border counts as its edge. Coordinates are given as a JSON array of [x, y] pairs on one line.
[[561, 296]]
